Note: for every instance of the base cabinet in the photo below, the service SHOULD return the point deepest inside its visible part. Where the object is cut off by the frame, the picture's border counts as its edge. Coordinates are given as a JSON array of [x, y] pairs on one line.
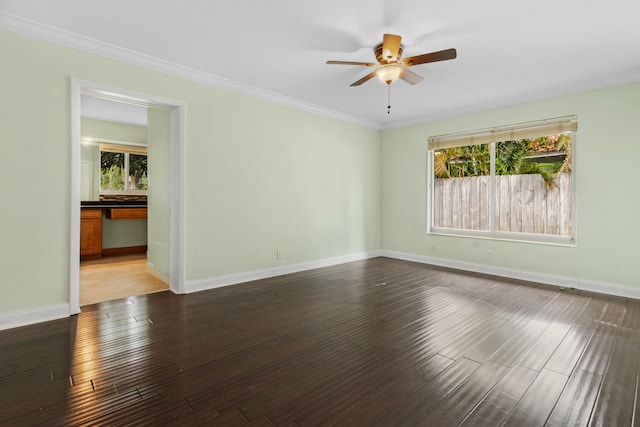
[[90, 234]]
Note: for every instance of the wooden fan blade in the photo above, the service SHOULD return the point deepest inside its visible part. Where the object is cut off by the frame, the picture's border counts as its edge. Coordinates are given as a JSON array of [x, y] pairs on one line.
[[410, 77], [442, 55], [363, 64], [363, 80], [391, 47]]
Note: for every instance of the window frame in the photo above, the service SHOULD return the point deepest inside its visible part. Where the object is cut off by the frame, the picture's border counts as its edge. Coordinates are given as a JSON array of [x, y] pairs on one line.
[[126, 150], [485, 136]]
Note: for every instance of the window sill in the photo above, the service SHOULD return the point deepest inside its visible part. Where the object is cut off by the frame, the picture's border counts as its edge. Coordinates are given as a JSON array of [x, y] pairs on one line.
[[538, 239]]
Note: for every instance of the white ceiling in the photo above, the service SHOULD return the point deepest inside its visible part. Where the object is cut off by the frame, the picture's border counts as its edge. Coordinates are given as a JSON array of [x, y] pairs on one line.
[[103, 109], [508, 51]]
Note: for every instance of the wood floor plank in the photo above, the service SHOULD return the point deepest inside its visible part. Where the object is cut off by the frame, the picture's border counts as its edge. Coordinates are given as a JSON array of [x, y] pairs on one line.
[[373, 342], [389, 396], [235, 390], [566, 355], [330, 395], [499, 336], [500, 401], [541, 351], [352, 391], [518, 344], [455, 408], [424, 400], [538, 401], [616, 399], [575, 405], [595, 357]]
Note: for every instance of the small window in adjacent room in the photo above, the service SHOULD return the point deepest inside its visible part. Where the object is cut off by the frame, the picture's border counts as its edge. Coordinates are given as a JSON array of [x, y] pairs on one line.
[[123, 169], [512, 182]]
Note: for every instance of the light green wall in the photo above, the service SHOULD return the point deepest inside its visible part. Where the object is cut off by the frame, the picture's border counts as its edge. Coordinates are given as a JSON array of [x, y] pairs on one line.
[[90, 153], [259, 176], [605, 153], [113, 131], [288, 180], [158, 194]]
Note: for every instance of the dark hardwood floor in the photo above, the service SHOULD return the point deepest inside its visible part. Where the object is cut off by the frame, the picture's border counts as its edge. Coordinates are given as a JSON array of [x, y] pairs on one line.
[[378, 342]]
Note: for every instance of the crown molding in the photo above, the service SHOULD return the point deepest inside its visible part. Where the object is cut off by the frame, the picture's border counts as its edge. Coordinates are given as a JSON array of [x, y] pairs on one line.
[[66, 38]]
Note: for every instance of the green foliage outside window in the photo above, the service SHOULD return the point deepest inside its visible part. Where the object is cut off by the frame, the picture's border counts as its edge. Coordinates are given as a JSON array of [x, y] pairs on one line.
[[112, 171], [138, 172], [523, 156]]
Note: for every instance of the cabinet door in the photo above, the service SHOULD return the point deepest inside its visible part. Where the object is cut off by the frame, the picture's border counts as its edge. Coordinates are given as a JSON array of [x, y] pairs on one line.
[[91, 234]]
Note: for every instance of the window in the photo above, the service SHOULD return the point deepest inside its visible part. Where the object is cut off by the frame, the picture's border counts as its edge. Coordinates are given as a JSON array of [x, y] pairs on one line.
[[513, 182], [123, 169]]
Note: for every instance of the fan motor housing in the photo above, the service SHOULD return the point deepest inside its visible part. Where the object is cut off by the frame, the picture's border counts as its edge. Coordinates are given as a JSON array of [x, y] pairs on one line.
[[381, 59]]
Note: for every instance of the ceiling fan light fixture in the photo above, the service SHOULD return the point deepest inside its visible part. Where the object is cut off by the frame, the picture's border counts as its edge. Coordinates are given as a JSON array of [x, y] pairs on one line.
[[388, 73]]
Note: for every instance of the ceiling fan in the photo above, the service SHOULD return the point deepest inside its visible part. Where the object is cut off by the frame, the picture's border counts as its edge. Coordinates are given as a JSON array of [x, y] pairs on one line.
[[390, 67]]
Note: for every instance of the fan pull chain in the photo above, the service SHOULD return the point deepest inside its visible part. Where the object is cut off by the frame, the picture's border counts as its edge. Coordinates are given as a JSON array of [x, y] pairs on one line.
[[388, 98]]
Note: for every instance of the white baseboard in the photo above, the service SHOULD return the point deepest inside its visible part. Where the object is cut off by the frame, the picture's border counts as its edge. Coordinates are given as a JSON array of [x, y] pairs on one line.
[[565, 282], [247, 276], [35, 315]]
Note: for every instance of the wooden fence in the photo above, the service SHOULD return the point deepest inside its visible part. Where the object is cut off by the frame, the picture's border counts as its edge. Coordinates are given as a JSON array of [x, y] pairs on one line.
[[523, 204]]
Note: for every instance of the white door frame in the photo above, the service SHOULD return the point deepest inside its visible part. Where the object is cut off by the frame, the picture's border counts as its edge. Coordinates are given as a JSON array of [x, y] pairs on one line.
[[176, 179]]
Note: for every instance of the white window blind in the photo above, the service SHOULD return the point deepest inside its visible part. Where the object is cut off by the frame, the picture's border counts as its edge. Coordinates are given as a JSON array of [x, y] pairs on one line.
[[121, 148], [535, 129]]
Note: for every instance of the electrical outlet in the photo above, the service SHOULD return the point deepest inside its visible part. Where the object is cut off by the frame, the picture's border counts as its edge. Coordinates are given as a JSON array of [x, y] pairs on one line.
[[279, 255], [489, 255]]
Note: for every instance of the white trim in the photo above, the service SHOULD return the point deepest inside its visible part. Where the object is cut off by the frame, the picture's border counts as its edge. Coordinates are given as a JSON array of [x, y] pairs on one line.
[[55, 35], [36, 315], [518, 237], [563, 282], [247, 276], [74, 210], [177, 198]]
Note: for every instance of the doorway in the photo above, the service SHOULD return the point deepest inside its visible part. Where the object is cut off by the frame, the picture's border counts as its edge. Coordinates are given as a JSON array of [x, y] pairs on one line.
[[115, 180], [165, 205]]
